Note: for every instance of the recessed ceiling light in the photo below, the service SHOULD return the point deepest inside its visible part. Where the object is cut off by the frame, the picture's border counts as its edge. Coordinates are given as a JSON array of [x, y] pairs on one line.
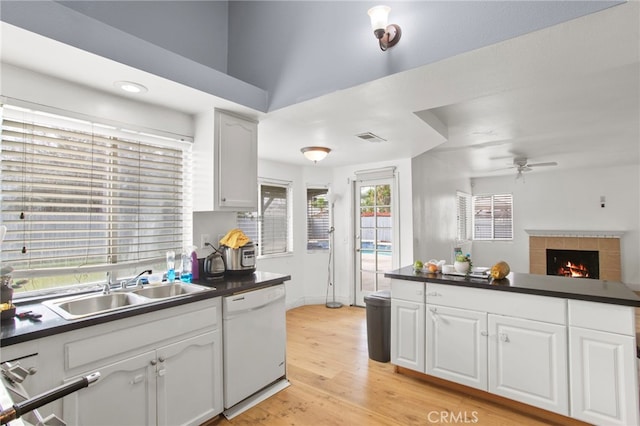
[[130, 86]]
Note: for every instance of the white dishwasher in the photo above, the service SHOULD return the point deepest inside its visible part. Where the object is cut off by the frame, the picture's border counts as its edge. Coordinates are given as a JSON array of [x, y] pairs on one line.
[[254, 345]]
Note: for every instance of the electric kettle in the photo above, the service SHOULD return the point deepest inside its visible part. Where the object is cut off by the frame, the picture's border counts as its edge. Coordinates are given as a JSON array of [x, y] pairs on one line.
[[214, 265]]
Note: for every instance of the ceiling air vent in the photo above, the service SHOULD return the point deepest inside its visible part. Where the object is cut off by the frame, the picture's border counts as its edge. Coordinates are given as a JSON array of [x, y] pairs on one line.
[[370, 137]]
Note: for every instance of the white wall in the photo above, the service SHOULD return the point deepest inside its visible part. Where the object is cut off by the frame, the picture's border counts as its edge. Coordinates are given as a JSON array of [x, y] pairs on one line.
[[434, 207], [568, 200]]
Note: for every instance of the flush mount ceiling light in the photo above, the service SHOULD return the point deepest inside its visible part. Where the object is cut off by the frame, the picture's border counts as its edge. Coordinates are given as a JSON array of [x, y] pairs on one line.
[[388, 35], [130, 86], [315, 153]]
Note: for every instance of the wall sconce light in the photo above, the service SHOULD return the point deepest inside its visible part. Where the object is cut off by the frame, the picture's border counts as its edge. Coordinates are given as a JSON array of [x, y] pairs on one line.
[[315, 153], [388, 35]]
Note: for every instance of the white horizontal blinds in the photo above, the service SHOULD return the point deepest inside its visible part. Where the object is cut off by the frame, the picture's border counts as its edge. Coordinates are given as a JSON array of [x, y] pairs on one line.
[[318, 220], [492, 217], [502, 217], [463, 216], [249, 224], [73, 197], [274, 210]]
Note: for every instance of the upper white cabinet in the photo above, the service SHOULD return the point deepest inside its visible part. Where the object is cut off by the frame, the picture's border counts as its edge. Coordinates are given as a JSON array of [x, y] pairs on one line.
[[225, 162]]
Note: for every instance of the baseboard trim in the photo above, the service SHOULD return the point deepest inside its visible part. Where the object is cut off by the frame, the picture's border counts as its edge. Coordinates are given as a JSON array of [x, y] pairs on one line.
[[505, 402]]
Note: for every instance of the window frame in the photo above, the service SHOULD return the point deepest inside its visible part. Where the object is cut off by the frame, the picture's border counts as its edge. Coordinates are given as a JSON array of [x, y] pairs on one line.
[[329, 220], [88, 136], [256, 235], [493, 217]]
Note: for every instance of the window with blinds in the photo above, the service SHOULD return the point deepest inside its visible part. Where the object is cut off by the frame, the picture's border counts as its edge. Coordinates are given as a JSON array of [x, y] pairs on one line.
[[80, 199], [318, 219], [463, 216], [270, 226], [493, 217]]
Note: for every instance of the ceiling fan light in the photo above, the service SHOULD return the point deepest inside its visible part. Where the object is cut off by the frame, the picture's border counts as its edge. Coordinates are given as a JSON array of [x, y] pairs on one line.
[[315, 153]]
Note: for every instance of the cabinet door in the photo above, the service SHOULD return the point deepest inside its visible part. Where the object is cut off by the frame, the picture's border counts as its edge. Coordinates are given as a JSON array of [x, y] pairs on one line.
[[457, 345], [528, 362], [603, 377], [190, 380], [236, 142], [407, 334], [125, 394]]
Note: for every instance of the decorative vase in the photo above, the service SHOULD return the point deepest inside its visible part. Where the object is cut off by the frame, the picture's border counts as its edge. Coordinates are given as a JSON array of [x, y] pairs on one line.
[[461, 267]]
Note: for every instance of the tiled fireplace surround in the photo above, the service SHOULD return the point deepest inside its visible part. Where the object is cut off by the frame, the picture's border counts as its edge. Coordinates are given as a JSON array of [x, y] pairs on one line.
[[606, 243]]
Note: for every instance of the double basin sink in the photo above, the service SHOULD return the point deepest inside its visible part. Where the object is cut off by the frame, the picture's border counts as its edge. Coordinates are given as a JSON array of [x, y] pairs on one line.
[[76, 307]]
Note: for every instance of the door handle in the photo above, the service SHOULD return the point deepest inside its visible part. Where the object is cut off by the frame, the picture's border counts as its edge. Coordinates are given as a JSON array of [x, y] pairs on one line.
[[137, 379]]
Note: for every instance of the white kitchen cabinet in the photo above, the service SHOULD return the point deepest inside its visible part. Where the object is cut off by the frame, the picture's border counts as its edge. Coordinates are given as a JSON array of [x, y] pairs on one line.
[[125, 394], [456, 345], [407, 334], [603, 365], [408, 324], [225, 163], [528, 362], [189, 389]]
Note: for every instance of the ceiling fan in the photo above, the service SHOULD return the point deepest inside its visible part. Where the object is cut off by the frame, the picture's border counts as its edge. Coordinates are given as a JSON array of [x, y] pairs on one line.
[[521, 165]]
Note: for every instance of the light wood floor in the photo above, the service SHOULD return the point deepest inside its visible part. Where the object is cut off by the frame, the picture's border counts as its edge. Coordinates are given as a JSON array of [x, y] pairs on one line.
[[333, 382]]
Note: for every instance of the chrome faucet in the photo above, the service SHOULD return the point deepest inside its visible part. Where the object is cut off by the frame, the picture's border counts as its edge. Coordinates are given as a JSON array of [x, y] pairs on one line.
[[106, 287], [137, 279]]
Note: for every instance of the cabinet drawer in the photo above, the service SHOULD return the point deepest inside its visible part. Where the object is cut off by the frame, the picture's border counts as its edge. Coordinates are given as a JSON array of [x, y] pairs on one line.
[[602, 317], [528, 306], [412, 291]]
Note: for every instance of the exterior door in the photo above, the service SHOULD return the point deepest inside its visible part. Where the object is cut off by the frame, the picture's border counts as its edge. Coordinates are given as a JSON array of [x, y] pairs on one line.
[[375, 245]]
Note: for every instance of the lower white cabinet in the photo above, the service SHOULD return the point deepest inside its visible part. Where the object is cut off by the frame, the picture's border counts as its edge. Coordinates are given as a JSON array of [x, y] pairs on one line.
[[603, 364], [407, 324], [528, 362], [125, 394], [407, 334], [188, 384], [456, 346]]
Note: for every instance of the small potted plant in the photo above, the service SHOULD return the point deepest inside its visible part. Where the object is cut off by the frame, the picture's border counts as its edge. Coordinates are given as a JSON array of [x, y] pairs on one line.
[[462, 263]]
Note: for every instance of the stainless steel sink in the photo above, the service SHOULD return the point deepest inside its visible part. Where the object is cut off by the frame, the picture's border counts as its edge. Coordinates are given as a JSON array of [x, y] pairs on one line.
[[168, 290], [82, 306], [75, 307]]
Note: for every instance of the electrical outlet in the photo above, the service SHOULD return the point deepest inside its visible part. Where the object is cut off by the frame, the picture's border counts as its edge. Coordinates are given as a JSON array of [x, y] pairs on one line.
[[204, 238]]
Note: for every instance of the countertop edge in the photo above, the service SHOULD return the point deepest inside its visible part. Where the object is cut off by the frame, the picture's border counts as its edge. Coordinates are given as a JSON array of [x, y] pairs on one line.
[[486, 284]]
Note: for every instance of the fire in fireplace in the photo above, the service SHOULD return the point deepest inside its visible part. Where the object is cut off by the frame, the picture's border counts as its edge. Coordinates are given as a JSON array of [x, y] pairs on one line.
[[573, 263]]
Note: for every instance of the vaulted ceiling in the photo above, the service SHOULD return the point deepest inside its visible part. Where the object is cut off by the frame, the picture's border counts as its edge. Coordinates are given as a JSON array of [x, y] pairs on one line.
[[475, 83]]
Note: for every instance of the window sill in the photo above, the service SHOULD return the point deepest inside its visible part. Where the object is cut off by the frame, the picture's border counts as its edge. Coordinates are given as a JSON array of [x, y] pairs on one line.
[[275, 256]]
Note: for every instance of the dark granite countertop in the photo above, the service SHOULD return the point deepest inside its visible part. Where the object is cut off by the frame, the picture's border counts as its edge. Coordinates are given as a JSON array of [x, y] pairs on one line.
[[16, 330], [568, 288]]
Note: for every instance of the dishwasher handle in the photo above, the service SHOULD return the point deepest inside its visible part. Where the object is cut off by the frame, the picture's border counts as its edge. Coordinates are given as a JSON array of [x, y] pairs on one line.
[[44, 398]]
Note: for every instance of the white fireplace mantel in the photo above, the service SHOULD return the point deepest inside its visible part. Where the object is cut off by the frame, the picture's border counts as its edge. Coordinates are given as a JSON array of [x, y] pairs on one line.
[[565, 233]]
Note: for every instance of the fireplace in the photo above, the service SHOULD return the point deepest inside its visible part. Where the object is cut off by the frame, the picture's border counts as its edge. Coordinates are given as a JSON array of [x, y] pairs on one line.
[[605, 243], [573, 263]]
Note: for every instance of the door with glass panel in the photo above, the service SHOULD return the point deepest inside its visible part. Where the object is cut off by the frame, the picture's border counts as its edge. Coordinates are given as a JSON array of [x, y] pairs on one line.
[[375, 240]]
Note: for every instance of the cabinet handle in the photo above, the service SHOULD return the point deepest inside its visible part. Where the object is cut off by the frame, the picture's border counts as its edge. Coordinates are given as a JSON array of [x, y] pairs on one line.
[[504, 337], [137, 379], [434, 293], [161, 372], [161, 359], [154, 362], [434, 310], [484, 333], [224, 199]]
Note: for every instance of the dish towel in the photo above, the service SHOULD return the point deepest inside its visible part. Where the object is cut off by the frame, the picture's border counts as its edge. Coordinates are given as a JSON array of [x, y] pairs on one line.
[[234, 239]]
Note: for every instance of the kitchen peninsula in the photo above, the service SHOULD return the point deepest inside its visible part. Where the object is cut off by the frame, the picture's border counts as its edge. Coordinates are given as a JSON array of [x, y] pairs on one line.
[[564, 345]]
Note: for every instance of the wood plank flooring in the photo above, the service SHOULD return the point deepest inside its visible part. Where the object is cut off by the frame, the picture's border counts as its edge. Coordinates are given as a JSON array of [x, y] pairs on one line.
[[333, 382]]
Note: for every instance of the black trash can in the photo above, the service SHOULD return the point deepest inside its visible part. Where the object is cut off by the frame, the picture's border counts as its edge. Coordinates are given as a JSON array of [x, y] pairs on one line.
[[378, 307]]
